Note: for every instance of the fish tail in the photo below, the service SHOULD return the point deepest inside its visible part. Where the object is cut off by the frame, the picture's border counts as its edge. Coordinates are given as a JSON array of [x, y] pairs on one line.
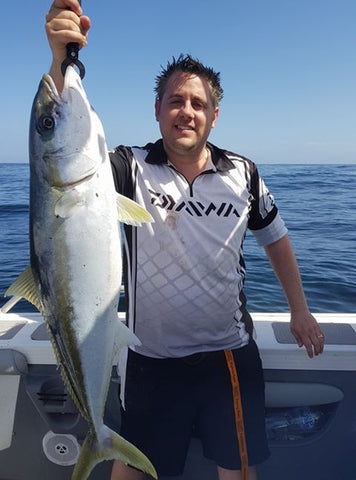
[[110, 447]]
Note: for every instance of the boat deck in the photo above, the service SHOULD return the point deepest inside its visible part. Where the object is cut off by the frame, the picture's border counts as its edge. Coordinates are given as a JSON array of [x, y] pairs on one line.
[[310, 405]]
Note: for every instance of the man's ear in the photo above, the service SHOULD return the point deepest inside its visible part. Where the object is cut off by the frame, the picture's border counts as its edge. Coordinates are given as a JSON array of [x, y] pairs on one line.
[[216, 116], [157, 107]]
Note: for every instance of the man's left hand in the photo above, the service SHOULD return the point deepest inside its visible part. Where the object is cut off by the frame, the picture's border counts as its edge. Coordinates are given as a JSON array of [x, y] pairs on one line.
[[307, 332]]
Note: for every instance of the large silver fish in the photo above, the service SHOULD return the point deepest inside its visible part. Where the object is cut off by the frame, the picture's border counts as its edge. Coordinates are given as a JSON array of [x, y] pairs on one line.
[[75, 273]]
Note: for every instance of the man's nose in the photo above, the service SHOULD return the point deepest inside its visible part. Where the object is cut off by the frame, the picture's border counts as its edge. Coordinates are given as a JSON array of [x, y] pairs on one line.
[[187, 109]]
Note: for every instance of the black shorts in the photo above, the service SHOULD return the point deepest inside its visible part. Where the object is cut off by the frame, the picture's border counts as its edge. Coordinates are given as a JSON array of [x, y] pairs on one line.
[[169, 400]]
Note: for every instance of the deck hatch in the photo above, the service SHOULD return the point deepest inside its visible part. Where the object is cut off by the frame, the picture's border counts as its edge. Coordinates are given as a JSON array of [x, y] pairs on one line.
[[9, 329], [40, 333], [335, 333]]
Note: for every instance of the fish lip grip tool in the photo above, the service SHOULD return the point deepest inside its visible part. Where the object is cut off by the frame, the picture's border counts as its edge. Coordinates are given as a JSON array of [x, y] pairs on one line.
[[73, 58]]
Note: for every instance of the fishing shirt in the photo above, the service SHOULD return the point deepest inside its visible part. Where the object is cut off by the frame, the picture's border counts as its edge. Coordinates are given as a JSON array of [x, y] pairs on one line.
[[184, 273]]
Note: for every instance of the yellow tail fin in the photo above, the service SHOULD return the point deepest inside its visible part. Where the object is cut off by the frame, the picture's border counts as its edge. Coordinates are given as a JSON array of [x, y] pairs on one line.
[[110, 447]]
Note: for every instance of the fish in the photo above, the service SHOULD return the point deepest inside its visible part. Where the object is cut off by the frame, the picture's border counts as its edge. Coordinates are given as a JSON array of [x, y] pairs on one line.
[[75, 270]]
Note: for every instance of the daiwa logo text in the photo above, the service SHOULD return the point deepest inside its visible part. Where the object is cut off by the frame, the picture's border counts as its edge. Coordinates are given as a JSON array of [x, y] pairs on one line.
[[193, 207]]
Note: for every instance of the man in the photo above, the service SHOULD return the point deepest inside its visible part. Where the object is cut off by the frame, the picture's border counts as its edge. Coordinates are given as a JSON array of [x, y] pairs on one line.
[[184, 274]]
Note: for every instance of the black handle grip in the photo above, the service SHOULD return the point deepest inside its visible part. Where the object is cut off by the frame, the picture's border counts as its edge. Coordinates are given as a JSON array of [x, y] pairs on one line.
[[72, 57]]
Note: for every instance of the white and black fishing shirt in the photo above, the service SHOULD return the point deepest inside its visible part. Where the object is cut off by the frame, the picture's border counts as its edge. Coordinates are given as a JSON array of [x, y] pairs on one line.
[[185, 272]]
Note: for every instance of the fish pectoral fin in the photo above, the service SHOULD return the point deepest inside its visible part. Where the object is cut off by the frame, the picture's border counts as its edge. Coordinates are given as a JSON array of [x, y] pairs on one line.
[[26, 287], [131, 212], [69, 204], [111, 446], [125, 336]]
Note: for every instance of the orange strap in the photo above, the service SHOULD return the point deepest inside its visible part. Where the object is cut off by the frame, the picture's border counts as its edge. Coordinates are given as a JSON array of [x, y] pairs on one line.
[[240, 428]]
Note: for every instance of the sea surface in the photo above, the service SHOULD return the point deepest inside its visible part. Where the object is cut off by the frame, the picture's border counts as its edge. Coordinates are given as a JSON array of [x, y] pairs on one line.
[[317, 203]]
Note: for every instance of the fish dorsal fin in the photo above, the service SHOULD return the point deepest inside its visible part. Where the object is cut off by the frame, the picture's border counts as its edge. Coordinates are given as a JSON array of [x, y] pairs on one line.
[[26, 287], [69, 204], [131, 212]]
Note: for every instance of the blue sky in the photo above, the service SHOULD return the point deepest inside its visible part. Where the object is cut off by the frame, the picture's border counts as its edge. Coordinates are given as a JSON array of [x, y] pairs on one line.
[[287, 67]]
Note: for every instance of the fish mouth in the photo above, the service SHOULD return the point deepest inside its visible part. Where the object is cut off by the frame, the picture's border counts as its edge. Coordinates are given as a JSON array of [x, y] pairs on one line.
[[51, 87], [48, 93]]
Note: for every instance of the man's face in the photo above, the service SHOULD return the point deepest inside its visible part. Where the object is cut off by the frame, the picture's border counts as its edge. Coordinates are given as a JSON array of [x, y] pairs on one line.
[[186, 114]]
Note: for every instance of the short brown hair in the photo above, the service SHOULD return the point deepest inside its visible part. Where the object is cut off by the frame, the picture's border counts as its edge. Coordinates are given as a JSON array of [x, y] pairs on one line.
[[188, 64]]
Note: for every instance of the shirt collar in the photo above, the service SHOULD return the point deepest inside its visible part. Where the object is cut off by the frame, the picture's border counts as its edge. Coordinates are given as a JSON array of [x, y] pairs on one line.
[[157, 156]]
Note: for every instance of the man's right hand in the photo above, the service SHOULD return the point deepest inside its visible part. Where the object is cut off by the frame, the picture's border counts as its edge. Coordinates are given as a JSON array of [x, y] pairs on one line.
[[64, 24]]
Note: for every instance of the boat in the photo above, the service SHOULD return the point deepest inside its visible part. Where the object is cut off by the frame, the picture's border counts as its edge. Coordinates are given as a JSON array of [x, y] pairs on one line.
[[310, 404]]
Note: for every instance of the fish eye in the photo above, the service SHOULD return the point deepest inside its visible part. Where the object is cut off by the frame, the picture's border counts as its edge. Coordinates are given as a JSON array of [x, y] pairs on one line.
[[46, 123]]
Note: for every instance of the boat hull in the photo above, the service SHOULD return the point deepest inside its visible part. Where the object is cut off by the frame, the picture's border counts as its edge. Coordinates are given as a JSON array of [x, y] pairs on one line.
[[40, 425]]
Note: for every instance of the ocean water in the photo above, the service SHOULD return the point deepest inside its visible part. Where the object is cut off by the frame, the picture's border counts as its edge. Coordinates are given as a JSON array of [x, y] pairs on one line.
[[317, 202]]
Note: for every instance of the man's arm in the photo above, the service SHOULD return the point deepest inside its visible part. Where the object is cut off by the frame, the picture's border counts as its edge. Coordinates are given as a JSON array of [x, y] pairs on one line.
[[303, 325], [64, 24]]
